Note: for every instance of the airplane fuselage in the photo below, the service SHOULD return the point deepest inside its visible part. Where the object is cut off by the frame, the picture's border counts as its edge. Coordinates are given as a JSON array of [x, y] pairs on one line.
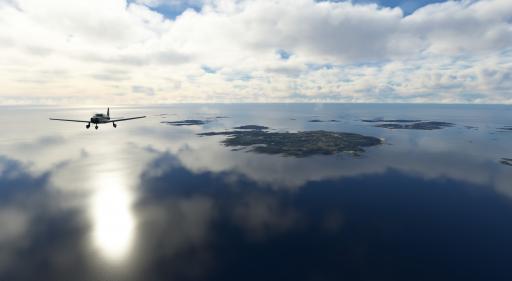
[[100, 119]]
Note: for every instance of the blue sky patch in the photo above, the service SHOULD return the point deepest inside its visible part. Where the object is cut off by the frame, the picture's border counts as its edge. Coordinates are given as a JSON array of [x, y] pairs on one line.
[[314, 66], [284, 55], [407, 6], [209, 70], [171, 11]]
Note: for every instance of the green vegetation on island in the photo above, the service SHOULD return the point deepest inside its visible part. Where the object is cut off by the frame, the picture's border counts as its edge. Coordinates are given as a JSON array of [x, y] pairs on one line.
[[299, 144], [424, 125], [251, 127], [408, 124], [390, 121], [322, 121], [185, 122]]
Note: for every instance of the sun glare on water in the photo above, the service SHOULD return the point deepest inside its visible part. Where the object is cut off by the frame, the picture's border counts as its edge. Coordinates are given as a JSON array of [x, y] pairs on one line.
[[113, 221]]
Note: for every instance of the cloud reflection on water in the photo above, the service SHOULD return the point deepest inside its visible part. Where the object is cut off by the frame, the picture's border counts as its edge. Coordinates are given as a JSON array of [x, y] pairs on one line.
[[357, 226]]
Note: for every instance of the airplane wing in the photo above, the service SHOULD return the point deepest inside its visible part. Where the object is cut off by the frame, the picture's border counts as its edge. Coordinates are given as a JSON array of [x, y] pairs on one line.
[[70, 120], [124, 119]]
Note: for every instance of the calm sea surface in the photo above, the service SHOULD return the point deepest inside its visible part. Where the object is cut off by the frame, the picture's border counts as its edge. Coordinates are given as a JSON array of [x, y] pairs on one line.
[[151, 201]]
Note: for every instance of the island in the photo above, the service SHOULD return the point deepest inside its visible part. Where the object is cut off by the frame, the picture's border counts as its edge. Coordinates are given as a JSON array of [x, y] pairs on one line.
[[423, 125], [506, 161], [506, 128], [321, 121], [251, 127], [471, 128], [297, 144], [390, 121], [185, 122]]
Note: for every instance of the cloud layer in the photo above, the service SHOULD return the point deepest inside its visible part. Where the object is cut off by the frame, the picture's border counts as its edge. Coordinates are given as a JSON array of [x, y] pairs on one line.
[[114, 51]]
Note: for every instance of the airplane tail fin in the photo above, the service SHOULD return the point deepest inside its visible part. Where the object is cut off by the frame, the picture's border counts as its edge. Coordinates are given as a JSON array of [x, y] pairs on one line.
[[108, 112]]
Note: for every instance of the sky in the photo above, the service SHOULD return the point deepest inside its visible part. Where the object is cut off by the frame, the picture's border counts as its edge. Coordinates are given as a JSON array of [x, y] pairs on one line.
[[169, 51]]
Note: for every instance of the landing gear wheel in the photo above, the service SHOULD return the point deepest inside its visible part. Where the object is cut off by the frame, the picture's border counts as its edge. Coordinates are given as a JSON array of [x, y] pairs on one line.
[[87, 126], [96, 127], [114, 124]]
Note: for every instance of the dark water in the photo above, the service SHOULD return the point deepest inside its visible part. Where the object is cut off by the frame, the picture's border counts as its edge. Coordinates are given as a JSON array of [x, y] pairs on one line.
[[149, 201]]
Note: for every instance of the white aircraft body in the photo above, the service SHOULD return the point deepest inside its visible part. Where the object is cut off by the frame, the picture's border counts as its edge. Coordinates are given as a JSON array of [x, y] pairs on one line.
[[99, 118]]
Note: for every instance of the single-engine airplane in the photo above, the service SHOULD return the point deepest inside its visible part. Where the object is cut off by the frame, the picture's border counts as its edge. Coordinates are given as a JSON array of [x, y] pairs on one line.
[[99, 118]]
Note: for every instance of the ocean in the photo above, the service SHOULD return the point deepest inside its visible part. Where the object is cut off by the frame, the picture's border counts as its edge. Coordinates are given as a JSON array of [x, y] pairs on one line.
[[150, 200]]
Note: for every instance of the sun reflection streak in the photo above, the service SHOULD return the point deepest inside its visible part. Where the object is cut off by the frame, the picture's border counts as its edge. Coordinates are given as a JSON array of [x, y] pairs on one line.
[[113, 221]]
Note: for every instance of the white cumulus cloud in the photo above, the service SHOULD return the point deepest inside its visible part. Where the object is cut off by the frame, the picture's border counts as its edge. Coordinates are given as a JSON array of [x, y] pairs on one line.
[[106, 51]]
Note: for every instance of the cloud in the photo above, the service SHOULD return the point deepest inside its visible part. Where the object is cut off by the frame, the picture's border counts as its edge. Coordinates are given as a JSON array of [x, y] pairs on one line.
[[258, 50], [111, 75], [143, 90]]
